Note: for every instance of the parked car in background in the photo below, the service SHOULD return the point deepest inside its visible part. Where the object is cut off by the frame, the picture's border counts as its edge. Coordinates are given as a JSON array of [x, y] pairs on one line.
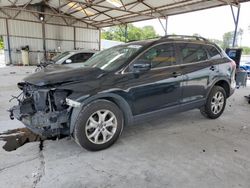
[[124, 84], [245, 65], [68, 58]]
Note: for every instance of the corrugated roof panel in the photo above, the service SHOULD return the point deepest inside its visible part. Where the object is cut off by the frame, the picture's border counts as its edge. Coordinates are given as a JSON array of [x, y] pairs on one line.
[[189, 7], [116, 10], [109, 5], [115, 13], [131, 19], [101, 17], [81, 14], [101, 9], [139, 7], [57, 3], [19, 2], [161, 3], [26, 16], [78, 15]]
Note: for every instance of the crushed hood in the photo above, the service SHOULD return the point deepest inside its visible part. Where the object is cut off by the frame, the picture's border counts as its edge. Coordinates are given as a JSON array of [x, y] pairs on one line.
[[58, 74]]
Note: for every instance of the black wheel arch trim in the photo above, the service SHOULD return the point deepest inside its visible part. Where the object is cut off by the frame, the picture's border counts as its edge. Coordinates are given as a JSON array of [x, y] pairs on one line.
[[217, 81], [117, 99]]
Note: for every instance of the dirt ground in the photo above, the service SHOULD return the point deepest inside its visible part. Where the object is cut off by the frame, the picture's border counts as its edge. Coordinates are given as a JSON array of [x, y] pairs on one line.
[[182, 150]]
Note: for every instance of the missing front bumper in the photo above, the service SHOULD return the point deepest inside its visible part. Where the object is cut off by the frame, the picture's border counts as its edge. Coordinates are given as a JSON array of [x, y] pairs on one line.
[[45, 124]]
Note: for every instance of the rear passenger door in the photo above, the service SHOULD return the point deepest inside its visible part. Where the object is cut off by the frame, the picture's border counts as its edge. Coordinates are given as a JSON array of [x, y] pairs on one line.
[[197, 70]]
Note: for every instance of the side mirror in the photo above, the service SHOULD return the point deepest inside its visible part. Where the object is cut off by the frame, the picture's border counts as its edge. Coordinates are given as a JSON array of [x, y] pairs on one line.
[[141, 66], [68, 61]]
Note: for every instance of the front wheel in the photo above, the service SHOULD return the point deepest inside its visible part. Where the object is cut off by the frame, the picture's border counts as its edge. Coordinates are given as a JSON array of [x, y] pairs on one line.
[[98, 125], [215, 103]]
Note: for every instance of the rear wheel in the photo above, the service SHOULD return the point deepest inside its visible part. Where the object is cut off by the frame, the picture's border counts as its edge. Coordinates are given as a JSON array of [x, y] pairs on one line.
[[215, 103], [98, 125]]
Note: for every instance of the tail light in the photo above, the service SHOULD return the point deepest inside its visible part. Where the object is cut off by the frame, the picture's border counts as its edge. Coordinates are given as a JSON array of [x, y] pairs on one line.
[[233, 73], [233, 65]]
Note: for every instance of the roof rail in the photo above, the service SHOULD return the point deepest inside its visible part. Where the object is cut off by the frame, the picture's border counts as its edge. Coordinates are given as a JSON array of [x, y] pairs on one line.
[[184, 37], [157, 37]]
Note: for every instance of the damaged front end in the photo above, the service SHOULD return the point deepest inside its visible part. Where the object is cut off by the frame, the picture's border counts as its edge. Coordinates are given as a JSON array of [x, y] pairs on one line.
[[42, 109]]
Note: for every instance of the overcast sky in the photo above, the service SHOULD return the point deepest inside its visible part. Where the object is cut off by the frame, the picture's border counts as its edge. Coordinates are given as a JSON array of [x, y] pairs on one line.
[[210, 23]]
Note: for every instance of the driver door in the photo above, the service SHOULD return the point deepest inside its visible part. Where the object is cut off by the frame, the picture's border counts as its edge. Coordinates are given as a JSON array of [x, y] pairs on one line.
[[159, 87]]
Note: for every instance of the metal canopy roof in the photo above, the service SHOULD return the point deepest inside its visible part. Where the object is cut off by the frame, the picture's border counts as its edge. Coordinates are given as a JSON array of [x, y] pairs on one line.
[[104, 13]]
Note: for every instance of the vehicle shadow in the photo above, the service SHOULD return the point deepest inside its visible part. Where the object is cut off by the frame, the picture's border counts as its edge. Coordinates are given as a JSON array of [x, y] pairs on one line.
[[18, 137]]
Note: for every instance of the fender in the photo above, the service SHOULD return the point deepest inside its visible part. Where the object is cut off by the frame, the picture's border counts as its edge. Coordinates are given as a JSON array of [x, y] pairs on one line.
[[120, 102], [215, 82]]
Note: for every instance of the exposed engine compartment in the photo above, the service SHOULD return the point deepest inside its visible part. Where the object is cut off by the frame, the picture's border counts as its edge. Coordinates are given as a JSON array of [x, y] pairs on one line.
[[42, 109]]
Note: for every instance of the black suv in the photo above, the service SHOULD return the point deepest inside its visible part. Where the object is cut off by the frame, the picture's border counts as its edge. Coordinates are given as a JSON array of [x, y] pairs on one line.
[[124, 84]]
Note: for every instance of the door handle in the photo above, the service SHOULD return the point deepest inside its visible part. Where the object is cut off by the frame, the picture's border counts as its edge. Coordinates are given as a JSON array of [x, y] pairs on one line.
[[176, 74], [212, 68]]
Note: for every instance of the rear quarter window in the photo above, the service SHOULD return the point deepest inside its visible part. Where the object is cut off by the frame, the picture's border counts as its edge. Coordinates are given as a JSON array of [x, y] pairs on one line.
[[191, 53], [213, 52]]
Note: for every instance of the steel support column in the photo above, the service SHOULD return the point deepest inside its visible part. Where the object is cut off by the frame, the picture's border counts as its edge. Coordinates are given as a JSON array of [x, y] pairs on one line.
[[126, 33], [74, 37], [8, 40], [100, 39], [44, 41], [166, 25], [236, 21]]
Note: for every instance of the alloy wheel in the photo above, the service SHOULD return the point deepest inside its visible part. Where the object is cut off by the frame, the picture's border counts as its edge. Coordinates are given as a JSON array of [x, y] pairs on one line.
[[101, 126], [217, 102]]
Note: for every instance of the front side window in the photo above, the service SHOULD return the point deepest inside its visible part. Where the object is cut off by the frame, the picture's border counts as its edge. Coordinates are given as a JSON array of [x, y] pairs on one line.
[[160, 56], [81, 57], [193, 53], [86, 56], [60, 56], [77, 58]]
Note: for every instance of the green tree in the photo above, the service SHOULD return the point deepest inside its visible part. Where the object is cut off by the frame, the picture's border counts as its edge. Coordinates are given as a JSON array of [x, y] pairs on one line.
[[246, 50], [1, 43], [218, 42], [118, 33], [148, 32], [227, 39], [239, 36]]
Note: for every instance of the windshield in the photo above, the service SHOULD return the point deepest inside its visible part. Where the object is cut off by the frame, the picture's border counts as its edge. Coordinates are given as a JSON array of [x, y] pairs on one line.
[[60, 56], [112, 58]]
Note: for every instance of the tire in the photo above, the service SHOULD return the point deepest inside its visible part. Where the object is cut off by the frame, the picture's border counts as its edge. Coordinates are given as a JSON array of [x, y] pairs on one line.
[[214, 102], [98, 125]]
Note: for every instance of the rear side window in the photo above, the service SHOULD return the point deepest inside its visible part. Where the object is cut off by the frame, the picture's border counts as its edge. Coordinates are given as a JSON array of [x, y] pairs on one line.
[[193, 53], [160, 56], [213, 52]]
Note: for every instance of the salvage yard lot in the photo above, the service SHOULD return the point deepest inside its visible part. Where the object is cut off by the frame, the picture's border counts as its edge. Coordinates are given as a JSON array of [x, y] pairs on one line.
[[183, 150]]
